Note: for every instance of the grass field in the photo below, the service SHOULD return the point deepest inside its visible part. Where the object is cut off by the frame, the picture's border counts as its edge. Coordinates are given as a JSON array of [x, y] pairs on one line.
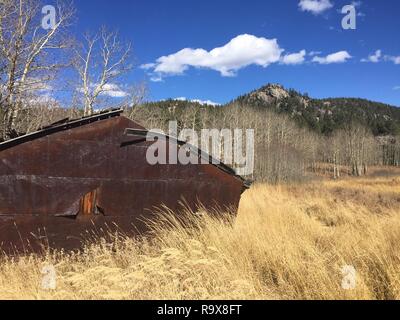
[[288, 242]]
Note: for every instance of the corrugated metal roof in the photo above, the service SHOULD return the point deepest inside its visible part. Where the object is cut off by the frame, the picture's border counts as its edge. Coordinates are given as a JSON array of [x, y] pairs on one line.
[[61, 125]]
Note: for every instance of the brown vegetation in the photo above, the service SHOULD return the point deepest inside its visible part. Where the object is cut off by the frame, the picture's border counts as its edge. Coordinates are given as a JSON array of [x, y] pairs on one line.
[[287, 243]]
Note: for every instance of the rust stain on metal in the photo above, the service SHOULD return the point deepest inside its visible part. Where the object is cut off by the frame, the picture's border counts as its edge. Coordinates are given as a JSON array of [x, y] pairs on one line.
[[80, 176], [88, 203]]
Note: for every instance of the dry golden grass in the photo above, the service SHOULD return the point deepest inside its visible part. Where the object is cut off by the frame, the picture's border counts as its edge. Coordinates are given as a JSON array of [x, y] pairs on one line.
[[287, 243]]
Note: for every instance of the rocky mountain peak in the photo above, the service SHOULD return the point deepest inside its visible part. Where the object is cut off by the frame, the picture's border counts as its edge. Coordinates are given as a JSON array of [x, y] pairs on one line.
[[271, 92]]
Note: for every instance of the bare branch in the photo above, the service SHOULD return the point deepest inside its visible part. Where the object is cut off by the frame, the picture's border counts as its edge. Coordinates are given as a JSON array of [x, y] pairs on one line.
[[101, 59], [28, 51]]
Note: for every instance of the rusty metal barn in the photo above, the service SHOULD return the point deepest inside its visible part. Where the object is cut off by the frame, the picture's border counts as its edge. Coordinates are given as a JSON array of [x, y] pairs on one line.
[[76, 176]]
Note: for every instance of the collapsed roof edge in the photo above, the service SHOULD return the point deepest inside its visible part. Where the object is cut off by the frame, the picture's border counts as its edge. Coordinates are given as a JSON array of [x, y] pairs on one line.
[[204, 155]]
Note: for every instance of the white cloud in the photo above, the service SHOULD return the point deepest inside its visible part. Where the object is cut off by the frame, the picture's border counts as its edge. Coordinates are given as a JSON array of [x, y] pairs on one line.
[[375, 58], [38, 85], [242, 51], [202, 102], [147, 66], [315, 6], [114, 91], [156, 78], [395, 60], [396, 88], [294, 58], [209, 102], [378, 57], [110, 89], [357, 4], [43, 99], [338, 57]]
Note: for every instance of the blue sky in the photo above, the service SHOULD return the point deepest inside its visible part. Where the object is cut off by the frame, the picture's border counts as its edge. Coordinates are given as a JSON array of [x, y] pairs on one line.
[[238, 52]]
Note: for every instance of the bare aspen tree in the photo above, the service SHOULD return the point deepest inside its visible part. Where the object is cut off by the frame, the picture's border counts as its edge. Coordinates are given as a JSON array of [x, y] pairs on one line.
[[358, 142], [100, 60], [28, 53], [335, 144], [389, 150], [136, 96]]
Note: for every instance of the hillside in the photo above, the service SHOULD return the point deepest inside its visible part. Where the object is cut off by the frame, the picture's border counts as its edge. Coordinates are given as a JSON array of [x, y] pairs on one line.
[[321, 115], [325, 115]]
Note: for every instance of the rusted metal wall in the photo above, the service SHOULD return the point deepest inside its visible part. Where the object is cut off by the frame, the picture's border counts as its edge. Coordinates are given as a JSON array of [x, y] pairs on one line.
[[59, 184]]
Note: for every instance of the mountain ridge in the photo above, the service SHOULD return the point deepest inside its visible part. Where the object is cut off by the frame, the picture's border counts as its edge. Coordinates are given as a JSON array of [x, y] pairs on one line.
[[328, 114], [321, 115]]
